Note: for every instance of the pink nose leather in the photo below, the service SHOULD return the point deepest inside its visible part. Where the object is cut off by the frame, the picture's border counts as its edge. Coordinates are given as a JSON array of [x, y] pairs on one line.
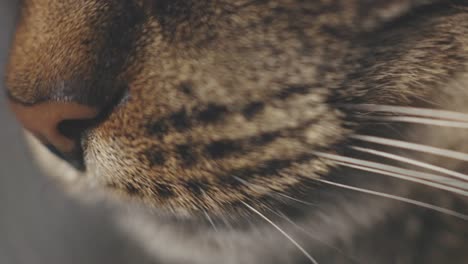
[[43, 121]]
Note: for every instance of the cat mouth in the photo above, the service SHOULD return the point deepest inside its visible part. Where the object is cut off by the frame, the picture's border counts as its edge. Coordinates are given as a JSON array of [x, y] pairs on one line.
[[74, 158], [65, 138], [54, 164]]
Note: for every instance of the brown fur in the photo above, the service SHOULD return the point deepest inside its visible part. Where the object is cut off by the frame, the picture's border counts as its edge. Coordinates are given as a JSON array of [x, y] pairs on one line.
[[213, 103]]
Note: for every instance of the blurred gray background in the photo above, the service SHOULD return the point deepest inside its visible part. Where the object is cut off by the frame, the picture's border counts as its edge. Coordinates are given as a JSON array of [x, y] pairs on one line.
[[38, 224]]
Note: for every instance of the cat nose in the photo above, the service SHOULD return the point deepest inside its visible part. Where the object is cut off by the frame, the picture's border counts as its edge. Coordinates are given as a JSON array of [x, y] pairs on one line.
[[58, 125]]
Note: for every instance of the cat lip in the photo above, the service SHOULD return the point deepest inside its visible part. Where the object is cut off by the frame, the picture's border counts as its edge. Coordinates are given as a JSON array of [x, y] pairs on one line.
[[65, 136], [74, 158], [59, 126]]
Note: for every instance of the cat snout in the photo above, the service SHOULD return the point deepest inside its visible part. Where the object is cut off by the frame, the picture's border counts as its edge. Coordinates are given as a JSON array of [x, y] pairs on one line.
[[58, 125]]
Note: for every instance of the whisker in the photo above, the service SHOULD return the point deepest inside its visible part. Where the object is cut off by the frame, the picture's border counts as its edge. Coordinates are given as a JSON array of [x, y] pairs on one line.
[[396, 172], [408, 178], [241, 180], [275, 192], [425, 112], [398, 198], [413, 146], [295, 199], [412, 162], [417, 120], [309, 234], [210, 220], [298, 246]]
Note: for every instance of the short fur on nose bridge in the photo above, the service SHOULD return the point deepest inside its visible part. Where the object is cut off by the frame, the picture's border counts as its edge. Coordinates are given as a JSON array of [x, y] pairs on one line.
[[42, 120]]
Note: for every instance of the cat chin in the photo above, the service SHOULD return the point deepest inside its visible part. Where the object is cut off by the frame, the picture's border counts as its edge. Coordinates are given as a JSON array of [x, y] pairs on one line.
[[161, 239], [262, 243], [186, 242], [76, 183], [50, 163], [172, 241], [168, 243]]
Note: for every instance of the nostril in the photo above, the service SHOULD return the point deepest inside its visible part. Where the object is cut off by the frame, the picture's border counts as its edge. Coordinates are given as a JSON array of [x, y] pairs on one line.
[[58, 125], [74, 128]]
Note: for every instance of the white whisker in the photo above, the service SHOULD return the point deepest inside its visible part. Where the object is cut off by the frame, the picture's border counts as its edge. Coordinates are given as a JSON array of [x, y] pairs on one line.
[[396, 172], [413, 146], [398, 198], [211, 221], [274, 192], [408, 178], [282, 232], [241, 180], [295, 199], [412, 162], [414, 111], [309, 234], [417, 120]]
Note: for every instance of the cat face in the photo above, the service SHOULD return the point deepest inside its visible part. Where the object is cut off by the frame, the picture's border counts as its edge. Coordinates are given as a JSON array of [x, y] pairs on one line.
[[181, 98], [231, 112], [205, 106]]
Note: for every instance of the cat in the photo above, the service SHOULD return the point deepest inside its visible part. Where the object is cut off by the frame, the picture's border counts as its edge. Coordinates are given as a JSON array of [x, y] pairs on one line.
[[255, 131]]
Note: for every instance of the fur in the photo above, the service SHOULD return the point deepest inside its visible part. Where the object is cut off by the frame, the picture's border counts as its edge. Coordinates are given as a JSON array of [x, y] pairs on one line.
[[209, 106]]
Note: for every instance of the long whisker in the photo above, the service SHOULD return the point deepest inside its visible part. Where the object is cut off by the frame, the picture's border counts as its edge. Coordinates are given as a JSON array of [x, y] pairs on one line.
[[413, 146], [398, 198], [312, 260], [432, 180], [399, 176], [211, 221], [275, 192], [417, 120], [295, 199], [308, 233], [414, 111], [412, 162]]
